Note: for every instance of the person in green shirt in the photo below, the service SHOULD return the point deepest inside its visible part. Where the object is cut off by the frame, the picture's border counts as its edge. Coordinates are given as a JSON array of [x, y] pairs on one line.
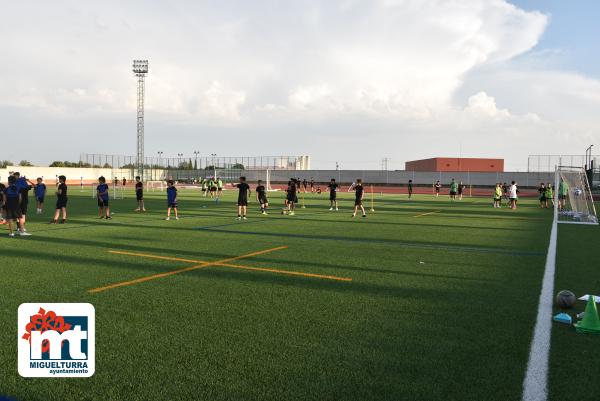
[[211, 185], [219, 187], [204, 191], [563, 190], [498, 196], [453, 189], [549, 194]]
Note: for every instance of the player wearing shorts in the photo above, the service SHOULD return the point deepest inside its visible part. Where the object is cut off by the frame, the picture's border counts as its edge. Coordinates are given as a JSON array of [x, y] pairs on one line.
[[563, 191], [410, 189], [542, 195], [438, 187], [333, 186], [102, 195], [40, 194], [291, 197], [513, 194], [359, 193], [11, 202], [61, 201], [498, 196], [244, 193], [453, 189], [139, 194], [171, 200], [261, 197]]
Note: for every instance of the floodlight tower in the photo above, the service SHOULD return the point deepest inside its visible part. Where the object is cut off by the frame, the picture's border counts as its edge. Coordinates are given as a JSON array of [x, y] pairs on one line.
[[140, 69]]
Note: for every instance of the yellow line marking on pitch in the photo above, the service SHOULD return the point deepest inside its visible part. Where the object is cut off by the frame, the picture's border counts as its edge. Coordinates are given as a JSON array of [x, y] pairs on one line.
[[428, 213], [224, 264], [200, 266], [288, 272]]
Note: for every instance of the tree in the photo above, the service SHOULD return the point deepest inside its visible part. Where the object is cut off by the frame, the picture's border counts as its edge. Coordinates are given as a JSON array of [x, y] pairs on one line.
[[57, 164], [25, 163], [238, 166], [5, 163], [106, 165]]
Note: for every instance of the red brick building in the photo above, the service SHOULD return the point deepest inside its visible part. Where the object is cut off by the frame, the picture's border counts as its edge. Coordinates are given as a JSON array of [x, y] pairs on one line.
[[456, 164]]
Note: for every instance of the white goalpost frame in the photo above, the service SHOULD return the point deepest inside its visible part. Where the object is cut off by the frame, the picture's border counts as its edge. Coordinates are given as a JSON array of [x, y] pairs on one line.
[[588, 188], [150, 185]]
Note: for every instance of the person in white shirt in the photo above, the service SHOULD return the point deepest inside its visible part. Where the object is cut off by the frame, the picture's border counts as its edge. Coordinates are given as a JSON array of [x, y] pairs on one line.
[[512, 194]]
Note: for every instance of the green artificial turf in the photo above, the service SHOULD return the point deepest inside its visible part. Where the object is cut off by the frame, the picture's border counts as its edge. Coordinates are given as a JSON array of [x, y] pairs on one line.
[[440, 307], [575, 357]]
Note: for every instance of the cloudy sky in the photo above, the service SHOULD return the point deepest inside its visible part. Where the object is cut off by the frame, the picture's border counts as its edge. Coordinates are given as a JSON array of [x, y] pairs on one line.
[[351, 81]]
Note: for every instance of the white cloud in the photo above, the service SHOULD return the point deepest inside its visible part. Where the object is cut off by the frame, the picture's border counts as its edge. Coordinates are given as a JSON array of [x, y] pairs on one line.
[[329, 70]]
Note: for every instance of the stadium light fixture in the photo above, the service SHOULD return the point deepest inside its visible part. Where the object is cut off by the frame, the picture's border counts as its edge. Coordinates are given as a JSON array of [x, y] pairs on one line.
[[140, 69]]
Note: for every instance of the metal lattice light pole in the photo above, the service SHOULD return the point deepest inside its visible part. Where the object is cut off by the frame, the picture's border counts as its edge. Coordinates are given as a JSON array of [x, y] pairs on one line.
[[140, 69]]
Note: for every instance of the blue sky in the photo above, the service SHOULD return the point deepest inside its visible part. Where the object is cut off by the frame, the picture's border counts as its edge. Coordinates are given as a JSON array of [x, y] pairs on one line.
[[574, 29], [348, 81]]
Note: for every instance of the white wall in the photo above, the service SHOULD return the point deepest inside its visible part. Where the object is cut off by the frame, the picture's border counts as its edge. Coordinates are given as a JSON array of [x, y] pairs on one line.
[[73, 174]]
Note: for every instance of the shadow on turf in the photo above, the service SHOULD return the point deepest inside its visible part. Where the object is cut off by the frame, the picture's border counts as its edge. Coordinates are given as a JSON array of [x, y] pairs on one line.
[[160, 266], [406, 244]]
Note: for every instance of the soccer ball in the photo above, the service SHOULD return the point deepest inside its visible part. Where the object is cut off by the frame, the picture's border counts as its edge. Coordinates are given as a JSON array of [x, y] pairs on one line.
[[578, 191], [565, 299]]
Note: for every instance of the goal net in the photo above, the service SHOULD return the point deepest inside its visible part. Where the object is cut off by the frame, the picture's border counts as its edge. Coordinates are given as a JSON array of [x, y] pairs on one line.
[[574, 201], [155, 186]]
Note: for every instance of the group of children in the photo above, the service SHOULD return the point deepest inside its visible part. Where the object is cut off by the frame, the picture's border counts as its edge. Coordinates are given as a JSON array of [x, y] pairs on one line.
[[457, 189], [511, 193], [14, 202]]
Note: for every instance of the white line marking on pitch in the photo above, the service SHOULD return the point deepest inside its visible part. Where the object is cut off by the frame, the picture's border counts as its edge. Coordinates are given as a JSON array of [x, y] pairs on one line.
[[535, 385]]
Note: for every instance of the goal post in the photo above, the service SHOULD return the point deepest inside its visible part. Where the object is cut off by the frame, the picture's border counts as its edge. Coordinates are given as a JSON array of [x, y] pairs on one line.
[[154, 185], [573, 198]]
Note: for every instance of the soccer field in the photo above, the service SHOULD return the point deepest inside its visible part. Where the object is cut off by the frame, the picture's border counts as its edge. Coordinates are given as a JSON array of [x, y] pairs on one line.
[[423, 300]]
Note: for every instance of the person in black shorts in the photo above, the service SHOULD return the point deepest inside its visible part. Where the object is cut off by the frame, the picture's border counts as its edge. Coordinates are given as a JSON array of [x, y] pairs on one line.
[[305, 184], [410, 189], [359, 193], [261, 197], [333, 186], [139, 194], [243, 198], [291, 197], [438, 187], [2, 205], [61, 201], [24, 186], [312, 185], [11, 197]]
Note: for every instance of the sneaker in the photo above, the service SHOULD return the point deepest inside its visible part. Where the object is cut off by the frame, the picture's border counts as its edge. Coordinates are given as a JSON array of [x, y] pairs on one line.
[[24, 234], [143, 210], [238, 218], [336, 209], [108, 218], [353, 215], [11, 235], [244, 218], [292, 213], [364, 215], [330, 209], [53, 222], [168, 218], [137, 210], [176, 217]]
